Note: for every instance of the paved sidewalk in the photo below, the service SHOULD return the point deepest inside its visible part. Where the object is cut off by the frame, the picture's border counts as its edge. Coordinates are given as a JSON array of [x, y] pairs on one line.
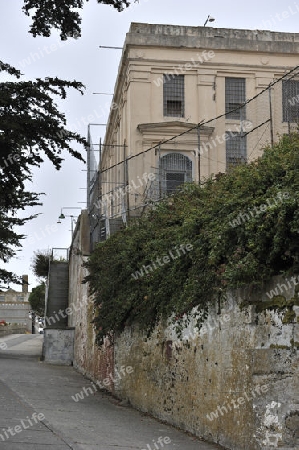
[[31, 390]]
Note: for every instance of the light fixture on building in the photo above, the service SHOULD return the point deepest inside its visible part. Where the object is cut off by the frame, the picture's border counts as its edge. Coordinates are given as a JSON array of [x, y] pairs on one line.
[[73, 218], [62, 216], [209, 19]]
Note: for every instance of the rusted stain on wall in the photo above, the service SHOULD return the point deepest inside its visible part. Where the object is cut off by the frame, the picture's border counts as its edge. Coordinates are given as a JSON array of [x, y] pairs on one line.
[[243, 369], [96, 363]]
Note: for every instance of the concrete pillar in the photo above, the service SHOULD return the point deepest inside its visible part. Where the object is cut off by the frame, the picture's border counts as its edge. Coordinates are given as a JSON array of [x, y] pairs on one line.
[[25, 284]]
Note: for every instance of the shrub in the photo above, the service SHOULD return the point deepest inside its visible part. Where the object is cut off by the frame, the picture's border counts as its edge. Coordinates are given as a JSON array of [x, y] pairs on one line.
[[243, 226]]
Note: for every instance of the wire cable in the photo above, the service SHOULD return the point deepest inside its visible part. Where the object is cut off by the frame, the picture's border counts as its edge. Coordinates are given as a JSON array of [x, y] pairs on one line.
[[202, 123]]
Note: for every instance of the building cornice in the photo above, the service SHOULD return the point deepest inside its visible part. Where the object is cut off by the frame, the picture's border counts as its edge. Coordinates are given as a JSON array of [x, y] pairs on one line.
[[172, 128], [144, 34], [187, 37]]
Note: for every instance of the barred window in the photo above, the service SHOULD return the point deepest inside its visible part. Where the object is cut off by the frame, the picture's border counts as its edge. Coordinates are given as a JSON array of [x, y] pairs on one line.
[[235, 96], [290, 101], [2, 298], [173, 95], [176, 169], [174, 180], [236, 151]]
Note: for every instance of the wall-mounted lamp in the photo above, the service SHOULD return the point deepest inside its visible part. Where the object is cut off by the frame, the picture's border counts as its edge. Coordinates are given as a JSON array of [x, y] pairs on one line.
[[63, 216], [209, 19]]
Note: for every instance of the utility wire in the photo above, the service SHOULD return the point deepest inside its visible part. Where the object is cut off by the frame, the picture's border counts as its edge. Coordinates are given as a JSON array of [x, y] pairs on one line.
[[266, 128], [200, 124], [255, 128]]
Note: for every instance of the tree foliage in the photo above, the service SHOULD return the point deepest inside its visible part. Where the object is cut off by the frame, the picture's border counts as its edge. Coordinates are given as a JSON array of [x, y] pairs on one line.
[[31, 126], [62, 15], [37, 299], [244, 228], [40, 263], [32, 129]]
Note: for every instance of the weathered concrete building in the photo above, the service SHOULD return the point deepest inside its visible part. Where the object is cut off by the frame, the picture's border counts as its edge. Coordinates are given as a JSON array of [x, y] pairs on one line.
[[14, 305], [235, 382], [172, 78]]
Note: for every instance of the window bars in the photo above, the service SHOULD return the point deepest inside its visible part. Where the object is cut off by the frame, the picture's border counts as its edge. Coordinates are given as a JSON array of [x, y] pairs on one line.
[[173, 95], [236, 151], [290, 101], [175, 170], [235, 96]]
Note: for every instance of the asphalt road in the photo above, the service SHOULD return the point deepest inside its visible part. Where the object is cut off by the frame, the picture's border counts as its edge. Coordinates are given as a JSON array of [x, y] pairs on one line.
[[38, 410]]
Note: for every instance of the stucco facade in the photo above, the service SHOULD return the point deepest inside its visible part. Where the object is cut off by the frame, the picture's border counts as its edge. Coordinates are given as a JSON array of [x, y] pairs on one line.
[[11, 295], [14, 305], [172, 78]]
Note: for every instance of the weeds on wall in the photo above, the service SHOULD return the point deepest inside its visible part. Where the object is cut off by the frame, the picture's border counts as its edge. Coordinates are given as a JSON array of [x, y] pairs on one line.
[[243, 226]]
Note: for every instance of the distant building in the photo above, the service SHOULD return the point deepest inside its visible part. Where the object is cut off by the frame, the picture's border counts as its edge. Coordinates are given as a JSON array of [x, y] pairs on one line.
[[14, 305], [170, 79]]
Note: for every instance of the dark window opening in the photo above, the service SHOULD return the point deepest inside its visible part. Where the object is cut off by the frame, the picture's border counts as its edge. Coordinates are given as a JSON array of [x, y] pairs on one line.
[[235, 96], [175, 170], [236, 150], [174, 108], [174, 180], [173, 95], [290, 101]]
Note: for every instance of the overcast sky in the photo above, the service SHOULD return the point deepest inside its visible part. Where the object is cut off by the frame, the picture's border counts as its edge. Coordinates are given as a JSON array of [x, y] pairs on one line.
[[96, 68]]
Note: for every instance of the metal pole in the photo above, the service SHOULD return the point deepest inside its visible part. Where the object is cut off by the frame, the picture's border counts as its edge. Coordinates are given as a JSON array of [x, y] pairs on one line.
[[243, 137], [100, 193], [160, 173], [99, 181], [271, 118], [33, 322], [126, 182], [198, 145], [100, 153], [72, 227], [115, 48], [88, 161], [88, 167]]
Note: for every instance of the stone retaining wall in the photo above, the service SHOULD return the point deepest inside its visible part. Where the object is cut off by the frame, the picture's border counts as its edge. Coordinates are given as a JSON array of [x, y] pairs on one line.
[[235, 382], [12, 329]]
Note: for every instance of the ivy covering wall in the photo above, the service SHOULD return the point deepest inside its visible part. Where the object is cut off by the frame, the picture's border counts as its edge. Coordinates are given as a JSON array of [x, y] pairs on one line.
[[241, 227]]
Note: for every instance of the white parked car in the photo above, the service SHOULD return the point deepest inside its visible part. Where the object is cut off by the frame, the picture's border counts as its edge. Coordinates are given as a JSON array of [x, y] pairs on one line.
[[40, 328]]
